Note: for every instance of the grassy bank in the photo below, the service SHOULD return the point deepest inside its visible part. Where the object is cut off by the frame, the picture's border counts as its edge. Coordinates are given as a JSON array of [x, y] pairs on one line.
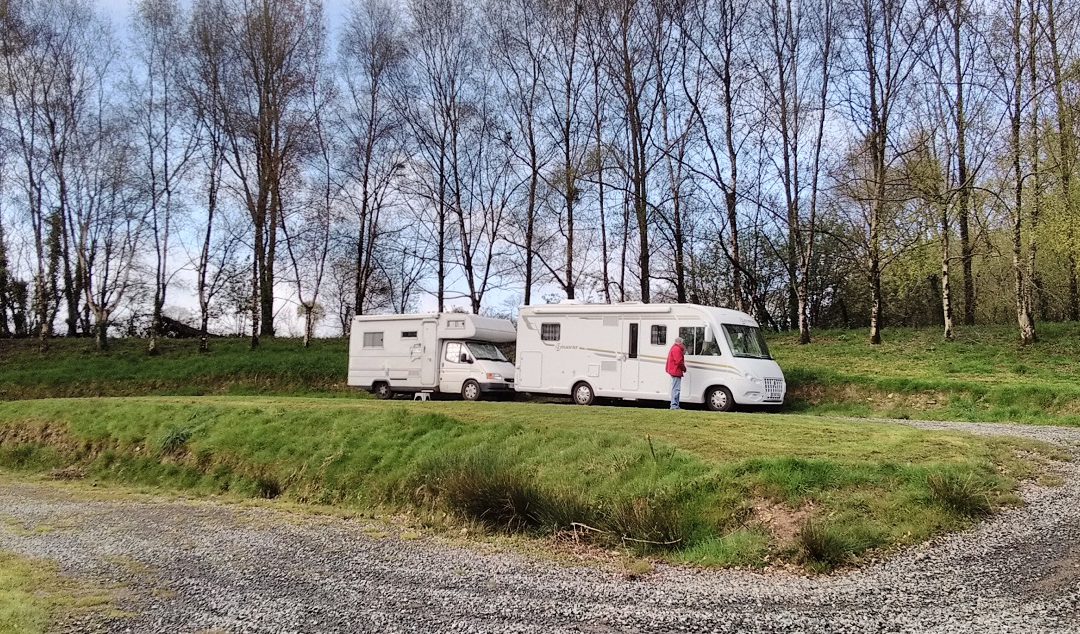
[[73, 368], [984, 375], [690, 486]]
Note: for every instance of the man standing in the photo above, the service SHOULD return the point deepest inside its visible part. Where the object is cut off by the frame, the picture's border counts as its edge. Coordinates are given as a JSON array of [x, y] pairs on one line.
[[676, 367]]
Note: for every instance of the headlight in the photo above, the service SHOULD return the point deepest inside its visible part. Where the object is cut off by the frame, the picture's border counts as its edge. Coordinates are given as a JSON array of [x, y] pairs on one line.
[[753, 379], [494, 376]]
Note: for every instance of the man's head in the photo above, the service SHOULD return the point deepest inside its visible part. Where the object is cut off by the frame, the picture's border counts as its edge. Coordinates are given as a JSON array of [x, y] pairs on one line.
[[679, 342]]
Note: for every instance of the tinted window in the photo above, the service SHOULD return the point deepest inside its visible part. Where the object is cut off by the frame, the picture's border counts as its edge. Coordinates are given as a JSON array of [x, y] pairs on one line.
[[550, 332], [658, 335], [408, 334], [633, 341], [373, 340]]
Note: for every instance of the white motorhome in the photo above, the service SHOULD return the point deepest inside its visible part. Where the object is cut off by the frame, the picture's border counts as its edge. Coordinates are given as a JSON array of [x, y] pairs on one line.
[[449, 353], [620, 351]]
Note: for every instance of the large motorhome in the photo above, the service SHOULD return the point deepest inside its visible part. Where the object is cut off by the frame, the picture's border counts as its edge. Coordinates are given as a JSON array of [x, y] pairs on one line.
[[590, 351], [449, 353]]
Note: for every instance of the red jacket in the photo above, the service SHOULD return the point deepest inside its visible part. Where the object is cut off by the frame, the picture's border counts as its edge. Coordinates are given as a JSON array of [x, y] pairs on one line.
[[676, 361]]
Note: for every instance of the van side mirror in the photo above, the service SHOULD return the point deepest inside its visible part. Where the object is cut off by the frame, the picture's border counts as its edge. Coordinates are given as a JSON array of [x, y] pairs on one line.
[[464, 358], [708, 334]]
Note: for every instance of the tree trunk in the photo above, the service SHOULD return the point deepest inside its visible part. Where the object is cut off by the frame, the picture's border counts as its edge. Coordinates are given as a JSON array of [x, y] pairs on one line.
[[946, 298], [876, 302]]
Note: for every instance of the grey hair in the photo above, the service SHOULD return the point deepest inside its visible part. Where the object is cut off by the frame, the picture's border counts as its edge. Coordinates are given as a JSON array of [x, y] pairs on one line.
[[678, 340]]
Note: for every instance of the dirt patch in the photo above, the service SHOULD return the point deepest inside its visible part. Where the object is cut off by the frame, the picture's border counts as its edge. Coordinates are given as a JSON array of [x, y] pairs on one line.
[[782, 521], [1063, 574]]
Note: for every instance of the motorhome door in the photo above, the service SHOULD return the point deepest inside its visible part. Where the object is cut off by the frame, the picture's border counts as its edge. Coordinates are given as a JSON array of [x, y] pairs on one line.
[[429, 354], [630, 364]]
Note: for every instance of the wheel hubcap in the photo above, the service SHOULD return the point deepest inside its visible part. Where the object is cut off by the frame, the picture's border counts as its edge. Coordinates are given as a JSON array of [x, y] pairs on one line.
[[583, 395], [470, 391], [719, 399]]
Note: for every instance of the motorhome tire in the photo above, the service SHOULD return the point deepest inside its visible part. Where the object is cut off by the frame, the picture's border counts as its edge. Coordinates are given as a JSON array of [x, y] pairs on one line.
[[718, 399], [470, 391], [382, 390], [583, 394]]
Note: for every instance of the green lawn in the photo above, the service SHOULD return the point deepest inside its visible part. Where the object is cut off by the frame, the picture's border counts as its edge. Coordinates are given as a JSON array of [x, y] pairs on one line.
[[693, 486], [982, 376]]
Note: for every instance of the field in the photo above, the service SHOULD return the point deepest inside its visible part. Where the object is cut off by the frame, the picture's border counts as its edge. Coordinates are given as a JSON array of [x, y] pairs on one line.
[[984, 375]]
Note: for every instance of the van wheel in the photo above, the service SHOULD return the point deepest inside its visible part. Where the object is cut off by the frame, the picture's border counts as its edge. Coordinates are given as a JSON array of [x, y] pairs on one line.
[[382, 390], [718, 399], [470, 391], [583, 394]]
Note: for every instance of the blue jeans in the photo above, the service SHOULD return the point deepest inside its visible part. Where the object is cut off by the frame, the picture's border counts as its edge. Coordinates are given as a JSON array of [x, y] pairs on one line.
[[676, 391]]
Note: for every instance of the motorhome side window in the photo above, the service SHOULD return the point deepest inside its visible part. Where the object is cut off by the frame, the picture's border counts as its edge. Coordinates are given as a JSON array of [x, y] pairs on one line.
[[453, 352], [373, 340], [408, 334], [694, 339], [550, 332], [658, 335]]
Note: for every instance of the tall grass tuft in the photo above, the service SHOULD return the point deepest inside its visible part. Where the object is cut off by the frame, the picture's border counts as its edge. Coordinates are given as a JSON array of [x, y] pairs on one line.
[[822, 546], [963, 494], [647, 523], [174, 441]]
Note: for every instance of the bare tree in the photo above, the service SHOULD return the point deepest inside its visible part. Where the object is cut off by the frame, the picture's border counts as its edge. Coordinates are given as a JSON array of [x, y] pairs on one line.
[[274, 49], [167, 140]]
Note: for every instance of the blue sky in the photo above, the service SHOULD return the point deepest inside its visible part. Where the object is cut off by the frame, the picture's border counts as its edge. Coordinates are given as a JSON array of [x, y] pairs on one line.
[[119, 10]]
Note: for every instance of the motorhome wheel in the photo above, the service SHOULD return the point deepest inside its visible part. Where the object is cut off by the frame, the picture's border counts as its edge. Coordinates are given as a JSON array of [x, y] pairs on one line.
[[583, 394], [383, 391], [470, 391], [718, 399]]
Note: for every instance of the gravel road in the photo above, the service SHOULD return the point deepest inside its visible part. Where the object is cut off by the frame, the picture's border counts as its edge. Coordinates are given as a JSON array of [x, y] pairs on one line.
[[197, 566]]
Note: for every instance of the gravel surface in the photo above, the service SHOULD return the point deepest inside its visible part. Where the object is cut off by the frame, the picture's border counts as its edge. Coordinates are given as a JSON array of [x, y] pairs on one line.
[[196, 566]]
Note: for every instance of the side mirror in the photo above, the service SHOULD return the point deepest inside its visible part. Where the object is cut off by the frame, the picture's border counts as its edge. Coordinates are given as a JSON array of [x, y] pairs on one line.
[[464, 358], [708, 334]]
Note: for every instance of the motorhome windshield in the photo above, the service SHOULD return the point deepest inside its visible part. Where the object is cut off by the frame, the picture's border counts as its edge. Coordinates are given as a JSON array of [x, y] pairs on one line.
[[746, 341], [484, 351]]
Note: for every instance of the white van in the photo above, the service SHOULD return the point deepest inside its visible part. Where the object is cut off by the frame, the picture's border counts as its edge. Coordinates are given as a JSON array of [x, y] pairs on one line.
[[449, 353], [620, 351]]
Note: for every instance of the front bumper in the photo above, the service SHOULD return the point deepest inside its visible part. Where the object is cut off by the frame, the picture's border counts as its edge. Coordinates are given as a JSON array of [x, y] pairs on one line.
[[500, 387]]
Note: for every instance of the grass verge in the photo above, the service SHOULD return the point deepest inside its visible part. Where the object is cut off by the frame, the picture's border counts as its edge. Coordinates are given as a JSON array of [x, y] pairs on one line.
[[34, 597], [686, 486]]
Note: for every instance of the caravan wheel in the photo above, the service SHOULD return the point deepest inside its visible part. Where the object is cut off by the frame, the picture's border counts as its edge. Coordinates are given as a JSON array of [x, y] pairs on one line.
[[382, 390], [583, 394]]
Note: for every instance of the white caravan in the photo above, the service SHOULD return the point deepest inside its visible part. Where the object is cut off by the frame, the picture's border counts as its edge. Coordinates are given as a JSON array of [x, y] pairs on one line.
[[620, 351], [449, 352]]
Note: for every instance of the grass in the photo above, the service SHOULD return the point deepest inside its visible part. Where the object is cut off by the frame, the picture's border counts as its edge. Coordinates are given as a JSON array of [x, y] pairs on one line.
[[34, 597], [679, 485], [73, 368], [984, 375]]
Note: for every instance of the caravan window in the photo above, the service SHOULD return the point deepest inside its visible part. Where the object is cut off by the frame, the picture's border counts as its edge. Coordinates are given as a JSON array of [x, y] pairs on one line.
[[694, 339], [658, 335], [373, 340], [453, 352], [550, 332], [408, 334]]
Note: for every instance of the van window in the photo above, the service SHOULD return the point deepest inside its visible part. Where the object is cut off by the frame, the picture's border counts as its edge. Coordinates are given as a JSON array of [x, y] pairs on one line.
[[633, 341], [550, 332], [373, 340], [658, 335], [453, 352], [408, 334], [694, 339]]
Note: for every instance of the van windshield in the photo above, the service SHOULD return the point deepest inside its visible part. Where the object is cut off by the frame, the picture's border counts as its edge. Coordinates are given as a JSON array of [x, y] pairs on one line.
[[483, 351], [746, 341]]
